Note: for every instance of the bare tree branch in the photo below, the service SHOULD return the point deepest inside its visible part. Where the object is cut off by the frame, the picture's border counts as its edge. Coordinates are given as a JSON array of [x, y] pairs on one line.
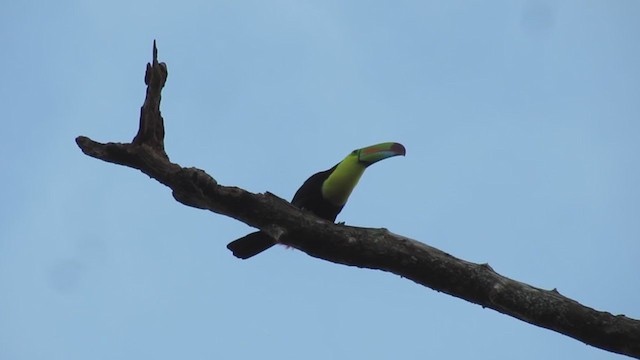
[[361, 247]]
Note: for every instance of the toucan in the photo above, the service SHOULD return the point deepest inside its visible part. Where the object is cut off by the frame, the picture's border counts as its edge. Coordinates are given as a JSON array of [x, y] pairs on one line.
[[324, 194]]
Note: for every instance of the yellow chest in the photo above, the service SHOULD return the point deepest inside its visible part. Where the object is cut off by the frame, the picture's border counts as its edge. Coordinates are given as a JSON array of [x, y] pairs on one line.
[[341, 182]]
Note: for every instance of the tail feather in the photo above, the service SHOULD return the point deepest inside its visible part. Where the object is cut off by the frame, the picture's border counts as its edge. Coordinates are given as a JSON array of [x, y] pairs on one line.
[[250, 245]]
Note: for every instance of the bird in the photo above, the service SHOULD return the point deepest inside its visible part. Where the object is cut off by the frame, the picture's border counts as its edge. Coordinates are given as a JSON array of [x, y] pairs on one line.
[[324, 194]]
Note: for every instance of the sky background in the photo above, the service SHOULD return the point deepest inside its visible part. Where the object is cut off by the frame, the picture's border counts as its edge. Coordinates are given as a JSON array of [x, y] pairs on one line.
[[521, 121]]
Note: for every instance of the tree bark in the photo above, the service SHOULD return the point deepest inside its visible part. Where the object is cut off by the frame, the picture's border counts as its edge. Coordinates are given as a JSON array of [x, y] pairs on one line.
[[361, 247]]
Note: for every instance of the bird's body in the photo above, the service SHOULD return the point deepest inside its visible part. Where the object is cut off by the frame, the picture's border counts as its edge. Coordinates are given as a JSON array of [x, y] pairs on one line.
[[309, 198], [324, 193]]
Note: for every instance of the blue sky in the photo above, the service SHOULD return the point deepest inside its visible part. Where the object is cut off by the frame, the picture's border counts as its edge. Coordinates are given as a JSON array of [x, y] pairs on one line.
[[521, 121]]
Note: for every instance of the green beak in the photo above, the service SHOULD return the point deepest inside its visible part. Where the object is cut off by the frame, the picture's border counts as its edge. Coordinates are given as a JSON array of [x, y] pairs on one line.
[[374, 153]]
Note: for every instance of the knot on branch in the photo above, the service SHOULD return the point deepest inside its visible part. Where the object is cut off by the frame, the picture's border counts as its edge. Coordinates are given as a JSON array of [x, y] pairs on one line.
[[195, 188]]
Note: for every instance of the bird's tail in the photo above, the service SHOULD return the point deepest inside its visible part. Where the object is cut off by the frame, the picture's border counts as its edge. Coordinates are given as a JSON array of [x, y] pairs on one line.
[[250, 245]]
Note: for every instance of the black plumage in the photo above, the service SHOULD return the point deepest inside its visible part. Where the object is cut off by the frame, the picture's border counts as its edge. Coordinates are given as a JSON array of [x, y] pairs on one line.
[[308, 197]]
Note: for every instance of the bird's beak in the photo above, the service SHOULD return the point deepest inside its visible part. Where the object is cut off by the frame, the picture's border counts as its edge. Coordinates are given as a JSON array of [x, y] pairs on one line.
[[375, 153]]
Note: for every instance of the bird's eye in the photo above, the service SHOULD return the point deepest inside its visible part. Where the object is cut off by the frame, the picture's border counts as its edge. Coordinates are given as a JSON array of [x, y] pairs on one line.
[[354, 152]]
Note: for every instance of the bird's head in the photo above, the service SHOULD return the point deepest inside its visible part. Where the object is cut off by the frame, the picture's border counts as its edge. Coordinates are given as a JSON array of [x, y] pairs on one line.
[[343, 177]]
